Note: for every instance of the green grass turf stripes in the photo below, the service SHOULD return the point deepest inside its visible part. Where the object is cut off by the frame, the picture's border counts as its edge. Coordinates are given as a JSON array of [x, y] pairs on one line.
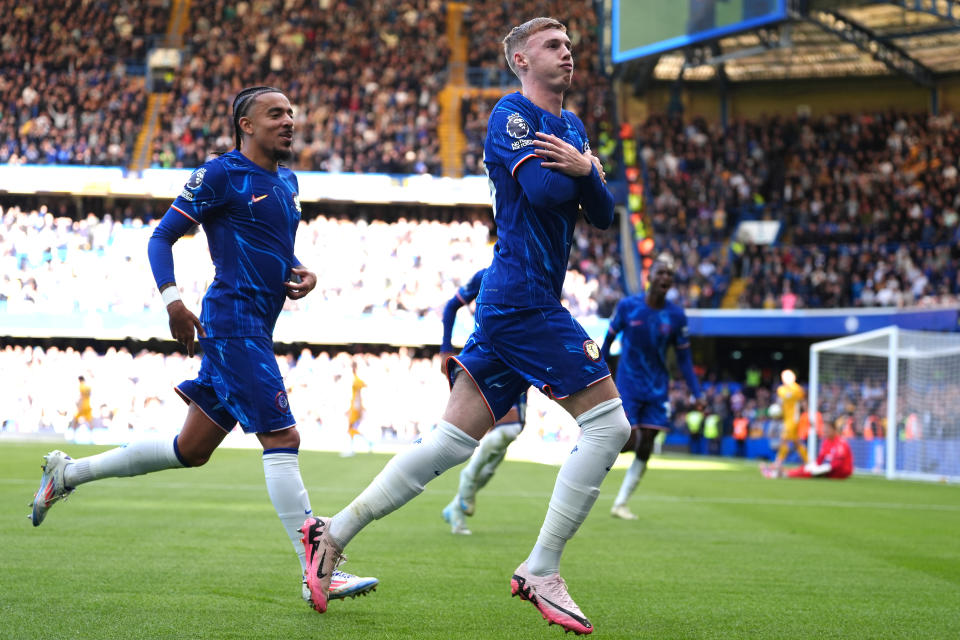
[[719, 552]]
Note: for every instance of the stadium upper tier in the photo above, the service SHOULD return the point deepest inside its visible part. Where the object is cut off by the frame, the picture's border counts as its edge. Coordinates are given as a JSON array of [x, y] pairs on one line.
[[365, 77], [65, 93], [868, 202]]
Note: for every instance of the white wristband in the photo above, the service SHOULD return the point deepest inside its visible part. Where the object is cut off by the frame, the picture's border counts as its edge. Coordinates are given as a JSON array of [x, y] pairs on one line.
[[170, 294]]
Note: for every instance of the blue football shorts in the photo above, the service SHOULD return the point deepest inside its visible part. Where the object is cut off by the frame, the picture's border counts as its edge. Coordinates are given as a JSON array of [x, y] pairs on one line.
[[239, 381], [512, 348], [654, 414], [521, 406]]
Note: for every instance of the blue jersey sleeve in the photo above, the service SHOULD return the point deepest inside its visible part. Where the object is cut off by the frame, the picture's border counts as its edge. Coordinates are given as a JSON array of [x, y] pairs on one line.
[[469, 292], [595, 199], [160, 247], [684, 357], [613, 330], [203, 190], [203, 193], [511, 135], [465, 295], [449, 317]]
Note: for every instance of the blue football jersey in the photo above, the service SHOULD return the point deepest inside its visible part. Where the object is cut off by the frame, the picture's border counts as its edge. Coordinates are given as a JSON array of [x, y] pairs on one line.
[[250, 217], [645, 334], [469, 292], [533, 242]]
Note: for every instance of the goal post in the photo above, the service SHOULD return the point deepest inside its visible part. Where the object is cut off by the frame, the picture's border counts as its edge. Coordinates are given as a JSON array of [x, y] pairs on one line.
[[895, 393]]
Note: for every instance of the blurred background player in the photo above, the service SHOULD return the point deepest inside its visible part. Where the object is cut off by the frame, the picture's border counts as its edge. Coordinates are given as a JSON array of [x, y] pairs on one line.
[[493, 446], [649, 325], [834, 461], [256, 270], [543, 177], [791, 395], [84, 414], [355, 414]]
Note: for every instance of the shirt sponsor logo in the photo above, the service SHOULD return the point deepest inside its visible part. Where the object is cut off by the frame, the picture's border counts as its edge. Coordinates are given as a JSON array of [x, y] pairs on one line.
[[592, 350], [517, 127], [254, 198]]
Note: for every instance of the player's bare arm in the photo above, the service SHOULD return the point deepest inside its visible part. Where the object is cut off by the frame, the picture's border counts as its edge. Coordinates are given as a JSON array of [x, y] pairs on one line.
[[308, 280], [184, 325], [562, 156]]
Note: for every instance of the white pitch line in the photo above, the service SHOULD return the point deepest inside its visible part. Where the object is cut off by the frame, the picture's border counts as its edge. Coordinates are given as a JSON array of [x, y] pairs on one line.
[[773, 502], [806, 503]]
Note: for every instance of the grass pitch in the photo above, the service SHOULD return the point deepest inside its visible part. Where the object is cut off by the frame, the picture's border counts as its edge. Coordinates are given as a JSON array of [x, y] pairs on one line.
[[719, 552]]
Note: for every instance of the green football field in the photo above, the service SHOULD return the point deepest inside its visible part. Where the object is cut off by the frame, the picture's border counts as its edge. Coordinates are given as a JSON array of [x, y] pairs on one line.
[[719, 552]]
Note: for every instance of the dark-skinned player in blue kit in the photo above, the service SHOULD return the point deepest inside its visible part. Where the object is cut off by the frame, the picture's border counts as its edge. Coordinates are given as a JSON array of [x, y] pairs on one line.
[[543, 177], [648, 325], [248, 206]]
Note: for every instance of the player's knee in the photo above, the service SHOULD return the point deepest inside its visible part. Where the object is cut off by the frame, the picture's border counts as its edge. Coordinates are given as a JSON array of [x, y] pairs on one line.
[[607, 423], [194, 453], [195, 458], [509, 432]]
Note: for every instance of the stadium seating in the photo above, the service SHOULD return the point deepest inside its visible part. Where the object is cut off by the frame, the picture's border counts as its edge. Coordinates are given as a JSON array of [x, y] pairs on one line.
[[363, 77], [56, 265], [66, 86]]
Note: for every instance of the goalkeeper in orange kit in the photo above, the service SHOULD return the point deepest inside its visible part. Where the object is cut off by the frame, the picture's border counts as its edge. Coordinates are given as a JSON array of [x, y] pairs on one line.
[[790, 395]]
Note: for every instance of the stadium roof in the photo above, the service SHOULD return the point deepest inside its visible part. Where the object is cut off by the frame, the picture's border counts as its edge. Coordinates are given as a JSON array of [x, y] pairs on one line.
[[917, 38]]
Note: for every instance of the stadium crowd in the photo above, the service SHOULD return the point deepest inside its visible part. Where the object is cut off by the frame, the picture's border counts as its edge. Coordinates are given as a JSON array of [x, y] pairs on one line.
[[363, 76], [868, 205], [132, 395], [65, 94], [57, 265]]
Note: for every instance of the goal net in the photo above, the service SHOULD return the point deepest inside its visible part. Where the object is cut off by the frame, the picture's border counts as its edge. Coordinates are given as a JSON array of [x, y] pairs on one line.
[[895, 394]]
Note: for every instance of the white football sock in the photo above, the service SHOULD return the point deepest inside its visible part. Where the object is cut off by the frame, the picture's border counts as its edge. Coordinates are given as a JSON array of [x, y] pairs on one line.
[[403, 479], [487, 457], [630, 481], [604, 430], [133, 459], [281, 469]]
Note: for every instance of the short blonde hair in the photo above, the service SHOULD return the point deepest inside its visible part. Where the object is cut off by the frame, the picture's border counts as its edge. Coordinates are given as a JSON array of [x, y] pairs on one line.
[[518, 36]]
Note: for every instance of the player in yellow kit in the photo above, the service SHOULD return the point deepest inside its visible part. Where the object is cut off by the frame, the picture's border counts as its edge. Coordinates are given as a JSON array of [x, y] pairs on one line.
[[84, 414], [791, 395], [355, 414]]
